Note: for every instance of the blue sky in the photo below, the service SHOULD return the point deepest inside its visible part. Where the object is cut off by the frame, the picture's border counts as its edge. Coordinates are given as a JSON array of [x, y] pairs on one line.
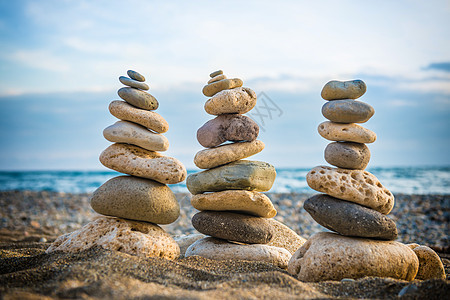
[[60, 62]]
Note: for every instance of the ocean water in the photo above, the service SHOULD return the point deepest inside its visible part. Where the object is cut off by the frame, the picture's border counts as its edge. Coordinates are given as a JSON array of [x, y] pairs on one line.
[[407, 180]]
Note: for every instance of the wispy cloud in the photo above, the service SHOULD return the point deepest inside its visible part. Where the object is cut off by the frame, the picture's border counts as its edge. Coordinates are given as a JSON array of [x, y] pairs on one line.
[[442, 66]]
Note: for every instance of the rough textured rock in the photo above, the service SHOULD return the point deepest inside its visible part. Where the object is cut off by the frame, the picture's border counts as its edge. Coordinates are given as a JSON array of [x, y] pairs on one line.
[[329, 256], [239, 175], [352, 185], [149, 119], [347, 111], [430, 265], [139, 162], [138, 98], [184, 241], [133, 83], [214, 157], [216, 73], [349, 218], [135, 75], [336, 90], [253, 203], [136, 199], [233, 226], [131, 133], [347, 155], [217, 78], [217, 249], [284, 237], [224, 84], [131, 237], [228, 127], [341, 132], [235, 101]]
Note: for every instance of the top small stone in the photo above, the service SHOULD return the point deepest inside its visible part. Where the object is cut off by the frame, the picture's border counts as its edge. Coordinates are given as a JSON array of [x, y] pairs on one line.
[[337, 90], [135, 75], [216, 73]]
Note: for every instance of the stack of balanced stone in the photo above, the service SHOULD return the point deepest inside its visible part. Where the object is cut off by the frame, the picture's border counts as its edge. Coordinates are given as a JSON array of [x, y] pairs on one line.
[[354, 203], [132, 205], [233, 211]]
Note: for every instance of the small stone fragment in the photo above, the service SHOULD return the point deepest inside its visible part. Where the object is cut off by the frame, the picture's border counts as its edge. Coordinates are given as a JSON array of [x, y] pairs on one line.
[[347, 155], [184, 241], [284, 237], [430, 265], [217, 78], [337, 90], [138, 98], [347, 111], [133, 83], [135, 75], [224, 84], [216, 73]]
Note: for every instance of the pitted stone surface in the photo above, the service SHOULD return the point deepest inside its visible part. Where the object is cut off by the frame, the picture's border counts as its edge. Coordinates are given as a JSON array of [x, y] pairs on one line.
[[234, 101], [341, 132]]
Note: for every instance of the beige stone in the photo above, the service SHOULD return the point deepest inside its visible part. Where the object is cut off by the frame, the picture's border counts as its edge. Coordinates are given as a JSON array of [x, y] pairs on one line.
[[136, 198], [224, 84], [217, 249], [248, 202], [284, 237], [329, 256], [131, 237], [216, 73], [346, 132], [336, 90], [352, 185], [238, 100], [217, 78], [133, 83], [136, 76], [430, 265], [214, 157], [184, 241], [139, 162], [149, 119], [138, 98], [347, 155], [131, 133]]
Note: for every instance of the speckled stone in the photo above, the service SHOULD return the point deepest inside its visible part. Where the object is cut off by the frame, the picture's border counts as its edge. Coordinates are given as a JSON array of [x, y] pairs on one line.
[[336, 90], [135, 75], [133, 83], [349, 218], [430, 265], [217, 78], [347, 111], [284, 237], [347, 155], [228, 127], [330, 256], [341, 132], [216, 73], [138, 98], [184, 241], [136, 199], [233, 101], [224, 84]]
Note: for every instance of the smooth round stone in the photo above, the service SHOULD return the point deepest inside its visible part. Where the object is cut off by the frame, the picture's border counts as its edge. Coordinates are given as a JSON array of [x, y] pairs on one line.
[[136, 199], [352, 185], [138, 98], [239, 175], [135, 75], [143, 163], [217, 78], [218, 249], [347, 155], [184, 241], [133, 83], [149, 119], [216, 73], [247, 202], [214, 157], [233, 227], [228, 127], [347, 111], [131, 133], [224, 84], [330, 256], [132, 237], [430, 265], [284, 237], [337, 90], [349, 218], [340, 132], [234, 101]]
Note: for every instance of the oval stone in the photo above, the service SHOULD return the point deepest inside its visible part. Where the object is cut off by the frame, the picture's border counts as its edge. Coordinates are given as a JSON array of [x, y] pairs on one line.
[[347, 111], [235, 101], [330, 256], [284, 237], [143, 163], [135, 75], [184, 241], [216, 73], [218, 249], [217, 78], [224, 84], [131, 133], [352, 185], [349, 218], [133, 83], [136, 199], [149, 119], [228, 127], [430, 265], [347, 155], [233, 227], [337, 90], [138, 98], [340, 132], [239, 175]]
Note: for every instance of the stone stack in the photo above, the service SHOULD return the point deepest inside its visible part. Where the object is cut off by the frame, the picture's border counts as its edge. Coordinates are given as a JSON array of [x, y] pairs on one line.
[[234, 212], [354, 203], [133, 205]]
